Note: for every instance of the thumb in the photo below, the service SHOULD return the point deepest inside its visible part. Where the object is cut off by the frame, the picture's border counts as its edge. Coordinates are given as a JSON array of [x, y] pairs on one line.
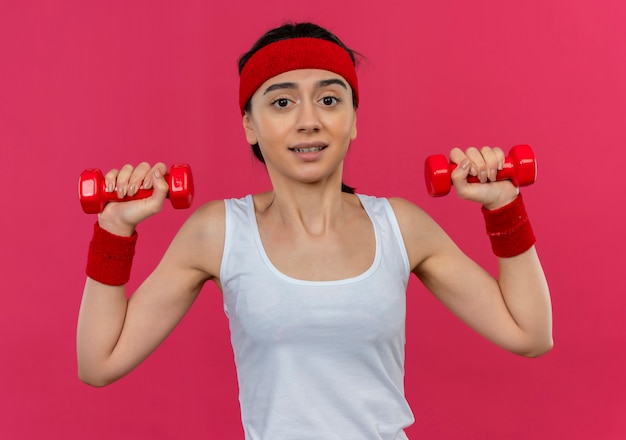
[[460, 174], [160, 186]]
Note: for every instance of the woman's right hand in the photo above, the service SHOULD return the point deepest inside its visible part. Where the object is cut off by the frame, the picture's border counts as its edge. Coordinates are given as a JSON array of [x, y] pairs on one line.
[[122, 218]]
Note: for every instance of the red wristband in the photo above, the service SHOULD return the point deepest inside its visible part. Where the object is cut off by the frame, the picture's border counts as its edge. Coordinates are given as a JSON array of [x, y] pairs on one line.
[[110, 257], [509, 229]]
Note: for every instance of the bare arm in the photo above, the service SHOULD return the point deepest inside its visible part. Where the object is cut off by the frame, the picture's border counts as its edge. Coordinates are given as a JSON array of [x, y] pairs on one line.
[[514, 310], [115, 334]]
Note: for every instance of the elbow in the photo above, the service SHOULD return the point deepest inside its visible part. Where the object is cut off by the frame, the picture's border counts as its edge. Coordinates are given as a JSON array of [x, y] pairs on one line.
[[94, 378], [537, 349], [93, 381]]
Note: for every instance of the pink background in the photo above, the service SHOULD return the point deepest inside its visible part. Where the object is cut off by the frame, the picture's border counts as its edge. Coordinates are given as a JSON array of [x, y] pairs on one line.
[[101, 83]]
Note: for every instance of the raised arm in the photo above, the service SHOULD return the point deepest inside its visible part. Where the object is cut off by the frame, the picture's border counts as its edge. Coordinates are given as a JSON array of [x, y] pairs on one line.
[[115, 334], [512, 310]]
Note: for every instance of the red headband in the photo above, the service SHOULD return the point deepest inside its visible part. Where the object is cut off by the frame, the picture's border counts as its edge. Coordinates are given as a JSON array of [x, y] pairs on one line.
[[292, 54]]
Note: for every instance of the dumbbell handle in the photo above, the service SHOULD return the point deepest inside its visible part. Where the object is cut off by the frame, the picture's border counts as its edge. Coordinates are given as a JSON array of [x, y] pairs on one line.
[[93, 195], [140, 194], [506, 173], [520, 167]]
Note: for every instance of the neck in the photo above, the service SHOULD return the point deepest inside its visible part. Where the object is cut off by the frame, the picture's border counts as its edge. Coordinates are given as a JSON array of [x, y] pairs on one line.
[[314, 208]]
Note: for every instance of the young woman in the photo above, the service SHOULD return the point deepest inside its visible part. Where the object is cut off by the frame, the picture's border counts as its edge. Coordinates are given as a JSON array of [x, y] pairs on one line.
[[313, 276]]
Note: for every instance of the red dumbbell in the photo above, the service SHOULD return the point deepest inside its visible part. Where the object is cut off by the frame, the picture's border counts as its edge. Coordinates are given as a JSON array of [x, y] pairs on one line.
[[520, 167], [93, 195]]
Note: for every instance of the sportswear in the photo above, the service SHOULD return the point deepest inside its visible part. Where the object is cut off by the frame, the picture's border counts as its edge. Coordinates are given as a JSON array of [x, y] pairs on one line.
[[317, 359]]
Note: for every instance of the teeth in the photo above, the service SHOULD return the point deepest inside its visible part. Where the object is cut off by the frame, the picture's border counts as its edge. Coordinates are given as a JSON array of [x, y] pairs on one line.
[[307, 150]]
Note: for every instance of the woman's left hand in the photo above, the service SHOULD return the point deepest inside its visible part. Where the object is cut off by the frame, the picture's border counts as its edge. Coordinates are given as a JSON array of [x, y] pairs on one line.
[[484, 164]]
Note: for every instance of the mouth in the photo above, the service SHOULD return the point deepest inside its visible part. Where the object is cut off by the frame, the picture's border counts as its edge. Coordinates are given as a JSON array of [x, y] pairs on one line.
[[308, 148]]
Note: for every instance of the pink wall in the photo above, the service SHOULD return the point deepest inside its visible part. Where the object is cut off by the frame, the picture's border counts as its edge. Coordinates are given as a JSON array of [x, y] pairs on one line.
[[100, 83]]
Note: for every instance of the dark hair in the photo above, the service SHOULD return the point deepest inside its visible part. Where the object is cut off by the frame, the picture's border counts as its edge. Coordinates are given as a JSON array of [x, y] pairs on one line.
[[285, 32]]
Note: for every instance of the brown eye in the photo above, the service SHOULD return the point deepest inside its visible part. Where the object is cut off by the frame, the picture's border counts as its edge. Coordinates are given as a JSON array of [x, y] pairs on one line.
[[330, 101], [281, 102]]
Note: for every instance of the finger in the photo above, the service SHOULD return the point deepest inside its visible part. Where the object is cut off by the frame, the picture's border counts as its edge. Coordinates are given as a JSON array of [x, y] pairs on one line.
[[457, 156], [121, 183], [491, 162], [160, 169], [137, 178], [157, 180], [148, 181], [478, 167], [110, 179], [460, 173], [501, 157]]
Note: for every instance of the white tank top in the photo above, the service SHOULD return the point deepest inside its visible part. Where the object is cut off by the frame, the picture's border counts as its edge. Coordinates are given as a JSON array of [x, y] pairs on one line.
[[317, 359]]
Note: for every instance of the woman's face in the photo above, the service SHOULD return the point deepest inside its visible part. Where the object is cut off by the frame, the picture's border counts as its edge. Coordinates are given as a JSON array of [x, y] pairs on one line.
[[303, 121]]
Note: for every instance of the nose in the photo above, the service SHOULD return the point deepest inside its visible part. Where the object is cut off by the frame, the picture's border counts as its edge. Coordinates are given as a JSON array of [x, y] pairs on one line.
[[308, 118]]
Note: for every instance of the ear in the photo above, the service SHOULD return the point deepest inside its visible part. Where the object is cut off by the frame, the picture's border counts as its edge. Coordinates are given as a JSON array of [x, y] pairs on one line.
[[248, 127], [354, 130]]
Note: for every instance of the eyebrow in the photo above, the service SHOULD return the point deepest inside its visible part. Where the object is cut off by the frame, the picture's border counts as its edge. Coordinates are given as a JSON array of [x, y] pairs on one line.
[[292, 85]]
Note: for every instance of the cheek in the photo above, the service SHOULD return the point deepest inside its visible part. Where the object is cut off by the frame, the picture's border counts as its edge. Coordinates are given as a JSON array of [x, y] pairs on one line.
[[269, 130], [345, 127], [271, 133], [353, 130]]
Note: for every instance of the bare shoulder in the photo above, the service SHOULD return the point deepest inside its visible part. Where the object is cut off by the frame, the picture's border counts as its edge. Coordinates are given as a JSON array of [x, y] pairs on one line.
[[207, 222], [422, 236], [200, 241], [404, 207], [412, 219], [209, 213]]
